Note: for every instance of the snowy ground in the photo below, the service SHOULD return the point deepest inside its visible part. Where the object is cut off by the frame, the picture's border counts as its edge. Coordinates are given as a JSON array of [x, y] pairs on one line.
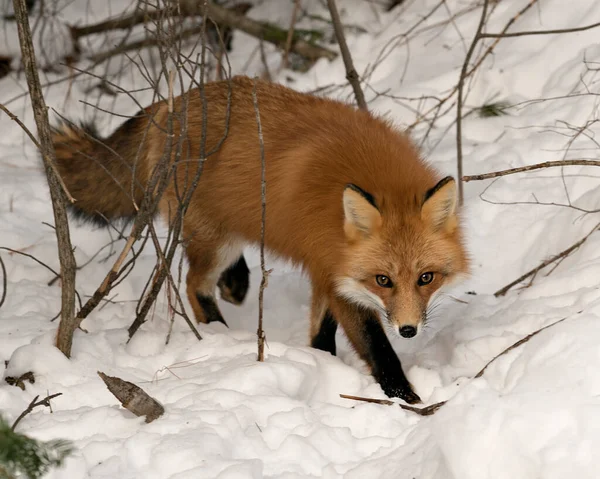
[[535, 413]]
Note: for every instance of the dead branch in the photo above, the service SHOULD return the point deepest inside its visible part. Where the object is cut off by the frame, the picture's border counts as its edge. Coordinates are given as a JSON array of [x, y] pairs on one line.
[[34, 403], [230, 17], [557, 257], [50, 163], [351, 74], [4, 282], [421, 411], [516, 345], [290, 35], [541, 32], [19, 382], [537, 166], [263, 192], [153, 193], [459, 102], [133, 398], [431, 409], [184, 197], [64, 336]]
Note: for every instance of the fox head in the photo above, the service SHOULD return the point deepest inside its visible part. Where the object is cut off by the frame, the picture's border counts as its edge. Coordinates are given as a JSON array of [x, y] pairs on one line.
[[397, 258]]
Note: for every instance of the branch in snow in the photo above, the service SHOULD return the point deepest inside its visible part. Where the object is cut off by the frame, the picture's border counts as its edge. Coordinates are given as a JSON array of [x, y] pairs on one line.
[[516, 345], [32, 405], [263, 194], [421, 411], [68, 324], [351, 74], [558, 257]]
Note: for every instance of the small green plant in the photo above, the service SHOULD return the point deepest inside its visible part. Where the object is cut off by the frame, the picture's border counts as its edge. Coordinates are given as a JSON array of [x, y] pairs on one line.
[[20, 454], [497, 108]]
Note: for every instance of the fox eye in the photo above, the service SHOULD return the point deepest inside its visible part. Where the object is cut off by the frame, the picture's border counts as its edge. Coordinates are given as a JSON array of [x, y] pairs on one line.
[[383, 281], [425, 279]]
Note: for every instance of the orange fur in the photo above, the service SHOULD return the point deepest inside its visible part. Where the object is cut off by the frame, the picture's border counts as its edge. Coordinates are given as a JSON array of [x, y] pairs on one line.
[[314, 147]]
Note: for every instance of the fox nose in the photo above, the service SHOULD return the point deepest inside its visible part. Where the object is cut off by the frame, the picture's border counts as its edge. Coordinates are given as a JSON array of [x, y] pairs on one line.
[[408, 331]]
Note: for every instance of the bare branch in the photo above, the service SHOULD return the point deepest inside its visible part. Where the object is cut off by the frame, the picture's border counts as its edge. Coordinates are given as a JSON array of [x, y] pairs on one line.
[[263, 192], [32, 405], [516, 345], [290, 35], [540, 32], [64, 337], [559, 256], [351, 74], [537, 166], [459, 102], [421, 411], [39, 147], [230, 17], [4, 282]]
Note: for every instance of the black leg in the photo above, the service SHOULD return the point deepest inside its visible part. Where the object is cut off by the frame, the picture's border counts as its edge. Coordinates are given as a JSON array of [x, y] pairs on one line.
[[385, 365], [325, 339], [210, 308], [235, 282]]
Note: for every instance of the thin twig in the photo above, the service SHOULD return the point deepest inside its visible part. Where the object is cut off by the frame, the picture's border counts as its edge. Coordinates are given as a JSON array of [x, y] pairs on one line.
[[15, 251], [537, 166], [431, 409], [4, 282], [540, 32], [459, 102], [219, 15], [68, 324], [32, 405], [263, 192], [421, 411], [47, 160], [290, 35], [562, 254], [351, 74], [516, 345]]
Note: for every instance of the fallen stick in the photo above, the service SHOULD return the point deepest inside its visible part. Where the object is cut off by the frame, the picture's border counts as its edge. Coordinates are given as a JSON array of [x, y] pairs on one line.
[[216, 13], [562, 254], [32, 405], [421, 411]]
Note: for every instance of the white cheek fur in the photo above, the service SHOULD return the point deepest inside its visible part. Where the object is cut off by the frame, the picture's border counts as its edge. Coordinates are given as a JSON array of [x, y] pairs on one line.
[[356, 293]]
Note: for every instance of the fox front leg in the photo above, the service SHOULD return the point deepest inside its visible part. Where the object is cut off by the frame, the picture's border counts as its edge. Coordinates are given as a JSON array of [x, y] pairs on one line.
[[366, 334]]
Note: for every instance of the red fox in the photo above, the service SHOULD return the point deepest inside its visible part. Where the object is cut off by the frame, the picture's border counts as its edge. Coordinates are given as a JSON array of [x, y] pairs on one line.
[[348, 199]]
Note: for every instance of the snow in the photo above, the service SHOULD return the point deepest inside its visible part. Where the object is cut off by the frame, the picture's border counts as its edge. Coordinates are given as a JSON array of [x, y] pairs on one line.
[[535, 413]]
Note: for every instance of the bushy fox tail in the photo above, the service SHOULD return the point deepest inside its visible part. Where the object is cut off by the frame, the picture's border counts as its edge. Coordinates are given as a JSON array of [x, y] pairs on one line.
[[99, 172]]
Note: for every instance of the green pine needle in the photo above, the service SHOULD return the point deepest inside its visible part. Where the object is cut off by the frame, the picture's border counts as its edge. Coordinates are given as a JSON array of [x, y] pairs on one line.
[[493, 109]]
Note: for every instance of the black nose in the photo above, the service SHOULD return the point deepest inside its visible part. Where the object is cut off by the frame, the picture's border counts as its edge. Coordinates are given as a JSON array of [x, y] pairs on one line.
[[408, 331]]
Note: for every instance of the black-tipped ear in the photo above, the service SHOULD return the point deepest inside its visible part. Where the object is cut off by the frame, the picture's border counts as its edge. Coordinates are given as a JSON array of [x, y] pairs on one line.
[[361, 215], [439, 205]]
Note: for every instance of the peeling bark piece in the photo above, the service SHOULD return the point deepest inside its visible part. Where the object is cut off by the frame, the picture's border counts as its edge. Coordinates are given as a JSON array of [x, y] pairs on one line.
[[133, 398]]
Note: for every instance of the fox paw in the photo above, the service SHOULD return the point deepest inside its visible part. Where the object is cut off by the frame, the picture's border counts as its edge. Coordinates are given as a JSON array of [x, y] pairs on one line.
[[403, 392]]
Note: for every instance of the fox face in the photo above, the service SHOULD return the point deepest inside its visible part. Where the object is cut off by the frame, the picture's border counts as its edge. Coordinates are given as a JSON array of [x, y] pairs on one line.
[[397, 259]]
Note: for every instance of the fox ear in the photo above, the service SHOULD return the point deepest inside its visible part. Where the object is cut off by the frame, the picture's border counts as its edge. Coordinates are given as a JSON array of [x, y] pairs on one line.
[[361, 216], [439, 206]]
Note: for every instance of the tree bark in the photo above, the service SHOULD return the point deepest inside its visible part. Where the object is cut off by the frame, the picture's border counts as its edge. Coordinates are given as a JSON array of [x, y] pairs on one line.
[[64, 337]]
